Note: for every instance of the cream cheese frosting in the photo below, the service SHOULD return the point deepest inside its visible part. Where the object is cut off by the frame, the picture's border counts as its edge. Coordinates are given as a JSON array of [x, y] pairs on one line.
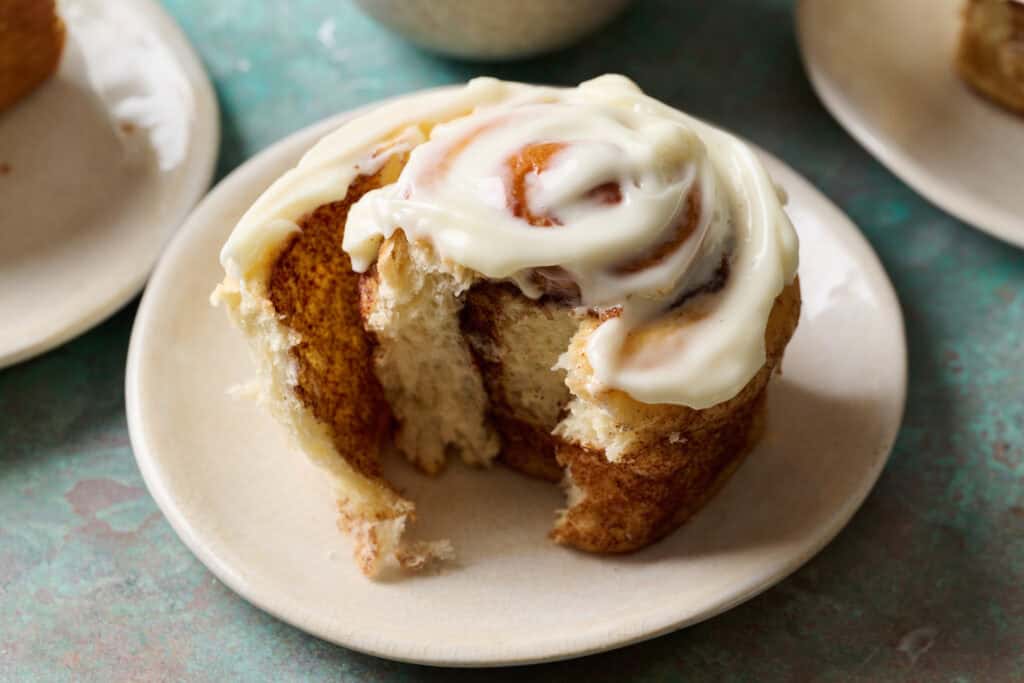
[[135, 75], [669, 227]]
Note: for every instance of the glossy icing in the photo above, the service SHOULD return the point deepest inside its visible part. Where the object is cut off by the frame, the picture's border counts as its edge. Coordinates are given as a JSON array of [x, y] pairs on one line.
[[669, 227]]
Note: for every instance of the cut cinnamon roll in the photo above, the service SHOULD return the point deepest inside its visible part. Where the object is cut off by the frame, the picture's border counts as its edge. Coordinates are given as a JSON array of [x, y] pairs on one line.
[[583, 284]]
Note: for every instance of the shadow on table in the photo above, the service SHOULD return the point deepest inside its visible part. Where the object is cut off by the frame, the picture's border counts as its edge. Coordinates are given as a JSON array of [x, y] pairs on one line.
[[68, 400]]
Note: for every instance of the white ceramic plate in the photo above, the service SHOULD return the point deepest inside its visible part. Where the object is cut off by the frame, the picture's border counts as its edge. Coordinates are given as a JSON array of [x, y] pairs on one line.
[[98, 167], [884, 69], [263, 520]]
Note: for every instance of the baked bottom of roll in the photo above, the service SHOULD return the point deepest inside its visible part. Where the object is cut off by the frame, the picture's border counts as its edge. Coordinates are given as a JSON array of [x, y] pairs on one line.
[[990, 57]]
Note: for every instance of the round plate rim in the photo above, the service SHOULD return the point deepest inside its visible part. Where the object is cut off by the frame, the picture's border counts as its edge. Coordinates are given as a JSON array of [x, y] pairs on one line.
[[992, 222], [148, 461], [194, 187]]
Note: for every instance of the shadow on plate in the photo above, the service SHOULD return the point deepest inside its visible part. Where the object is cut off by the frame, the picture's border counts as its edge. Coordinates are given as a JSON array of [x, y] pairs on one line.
[[800, 477]]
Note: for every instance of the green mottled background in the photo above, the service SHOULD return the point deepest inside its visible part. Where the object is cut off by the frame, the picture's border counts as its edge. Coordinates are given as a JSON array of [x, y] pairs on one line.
[[927, 582]]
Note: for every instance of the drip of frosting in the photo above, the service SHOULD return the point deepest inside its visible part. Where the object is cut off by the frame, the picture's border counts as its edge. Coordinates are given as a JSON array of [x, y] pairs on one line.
[[669, 227], [136, 76]]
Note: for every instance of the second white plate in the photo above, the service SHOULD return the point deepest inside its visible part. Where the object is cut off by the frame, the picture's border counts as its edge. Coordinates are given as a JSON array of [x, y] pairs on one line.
[[885, 71], [262, 518], [98, 167]]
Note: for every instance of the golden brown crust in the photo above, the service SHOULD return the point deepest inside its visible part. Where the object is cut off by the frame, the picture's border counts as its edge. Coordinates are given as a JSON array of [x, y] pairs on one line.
[[990, 57], [315, 291], [31, 43], [627, 504]]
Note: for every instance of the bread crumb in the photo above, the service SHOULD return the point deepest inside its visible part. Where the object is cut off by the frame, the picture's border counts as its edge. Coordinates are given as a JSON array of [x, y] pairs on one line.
[[248, 390]]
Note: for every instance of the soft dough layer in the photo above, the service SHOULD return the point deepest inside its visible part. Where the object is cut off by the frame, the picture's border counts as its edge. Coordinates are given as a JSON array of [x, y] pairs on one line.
[[411, 307]]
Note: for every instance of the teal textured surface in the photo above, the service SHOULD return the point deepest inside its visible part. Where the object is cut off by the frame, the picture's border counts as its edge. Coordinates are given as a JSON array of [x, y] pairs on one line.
[[927, 582]]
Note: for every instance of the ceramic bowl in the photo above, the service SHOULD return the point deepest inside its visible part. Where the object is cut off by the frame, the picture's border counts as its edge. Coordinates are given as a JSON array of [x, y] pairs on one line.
[[496, 29]]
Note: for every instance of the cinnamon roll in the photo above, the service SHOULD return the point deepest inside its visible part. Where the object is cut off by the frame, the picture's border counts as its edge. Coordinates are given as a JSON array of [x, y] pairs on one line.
[[31, 44], [991, 52], [583, 284]]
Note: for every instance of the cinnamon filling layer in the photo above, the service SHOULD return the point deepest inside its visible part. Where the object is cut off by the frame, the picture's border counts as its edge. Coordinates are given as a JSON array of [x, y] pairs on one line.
[[316, 293]]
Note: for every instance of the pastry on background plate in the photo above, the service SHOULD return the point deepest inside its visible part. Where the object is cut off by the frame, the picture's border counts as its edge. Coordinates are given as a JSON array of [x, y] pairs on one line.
[[31, 43], [583, 284], [991, 53]]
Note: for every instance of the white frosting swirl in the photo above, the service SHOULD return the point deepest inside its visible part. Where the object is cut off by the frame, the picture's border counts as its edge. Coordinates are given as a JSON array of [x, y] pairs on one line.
[[636, 204]]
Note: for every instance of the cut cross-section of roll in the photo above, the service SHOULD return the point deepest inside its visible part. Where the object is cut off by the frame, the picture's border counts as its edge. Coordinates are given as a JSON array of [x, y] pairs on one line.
[[584, 284]]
